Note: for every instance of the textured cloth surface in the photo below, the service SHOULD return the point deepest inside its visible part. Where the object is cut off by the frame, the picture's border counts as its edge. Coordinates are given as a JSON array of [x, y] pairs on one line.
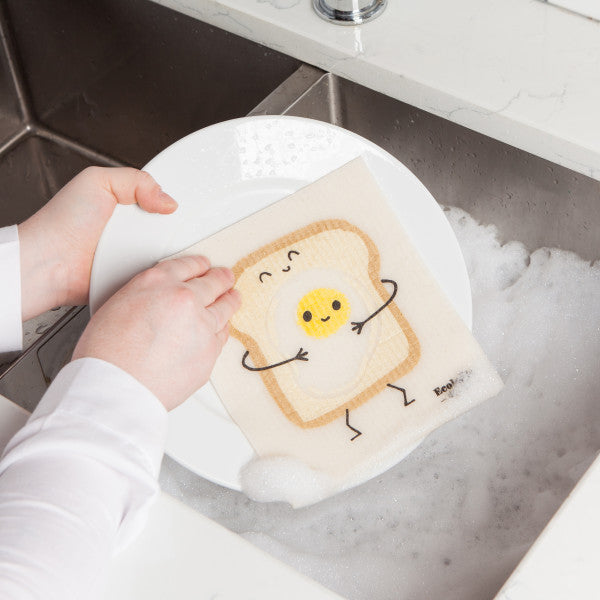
[[337, 308]]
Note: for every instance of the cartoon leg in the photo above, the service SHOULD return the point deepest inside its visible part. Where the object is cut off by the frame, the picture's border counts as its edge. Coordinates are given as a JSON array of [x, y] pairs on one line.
[[356, 431], [400, 389]]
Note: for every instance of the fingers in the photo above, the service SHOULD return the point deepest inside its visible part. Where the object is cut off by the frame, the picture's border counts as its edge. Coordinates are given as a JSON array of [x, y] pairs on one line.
[[130, 186], [185, 268], [212, 285], [223, 308]]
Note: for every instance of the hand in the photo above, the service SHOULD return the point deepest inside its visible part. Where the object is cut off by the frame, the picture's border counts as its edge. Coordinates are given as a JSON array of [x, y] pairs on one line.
[[58, 242], [301, 355], [166, 327], [357, 326]]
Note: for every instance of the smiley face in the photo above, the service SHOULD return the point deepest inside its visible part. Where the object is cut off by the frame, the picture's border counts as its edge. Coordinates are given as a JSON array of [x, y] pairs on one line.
[[322, 312]]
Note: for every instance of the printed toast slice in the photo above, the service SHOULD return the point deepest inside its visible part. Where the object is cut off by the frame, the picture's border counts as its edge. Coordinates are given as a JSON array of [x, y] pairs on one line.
[[320, 323]]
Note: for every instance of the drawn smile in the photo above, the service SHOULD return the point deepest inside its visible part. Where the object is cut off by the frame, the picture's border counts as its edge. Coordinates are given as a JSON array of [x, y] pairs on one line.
[[286, 269], [327, 319]]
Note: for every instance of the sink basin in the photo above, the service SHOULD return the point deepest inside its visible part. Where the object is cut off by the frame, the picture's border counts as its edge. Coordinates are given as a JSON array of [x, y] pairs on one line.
[[144, 76]]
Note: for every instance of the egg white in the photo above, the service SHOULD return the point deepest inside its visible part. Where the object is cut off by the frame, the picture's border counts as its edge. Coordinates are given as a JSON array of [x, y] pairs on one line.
[[337, 363]]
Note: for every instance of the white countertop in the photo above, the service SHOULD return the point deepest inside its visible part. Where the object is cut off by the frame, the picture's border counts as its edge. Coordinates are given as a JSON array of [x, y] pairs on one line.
[[521, 71], [563, 562]]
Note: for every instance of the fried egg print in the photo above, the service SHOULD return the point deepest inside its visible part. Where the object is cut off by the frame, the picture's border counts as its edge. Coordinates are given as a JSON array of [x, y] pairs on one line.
[[336, 355]]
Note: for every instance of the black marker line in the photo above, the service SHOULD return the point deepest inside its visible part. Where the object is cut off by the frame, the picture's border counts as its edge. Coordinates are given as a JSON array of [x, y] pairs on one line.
[[350, 426], [358, 325], [300, 356], [406, 402]]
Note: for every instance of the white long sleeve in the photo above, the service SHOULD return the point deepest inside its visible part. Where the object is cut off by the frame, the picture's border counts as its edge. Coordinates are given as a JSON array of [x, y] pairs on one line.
[[76, 481], [11, 329]]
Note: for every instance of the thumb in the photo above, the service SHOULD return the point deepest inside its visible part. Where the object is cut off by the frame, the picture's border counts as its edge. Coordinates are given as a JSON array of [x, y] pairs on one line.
[[131, 186]]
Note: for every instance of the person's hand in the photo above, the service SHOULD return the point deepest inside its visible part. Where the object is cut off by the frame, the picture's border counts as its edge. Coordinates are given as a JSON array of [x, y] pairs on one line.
[[58, 242], [166, 327]]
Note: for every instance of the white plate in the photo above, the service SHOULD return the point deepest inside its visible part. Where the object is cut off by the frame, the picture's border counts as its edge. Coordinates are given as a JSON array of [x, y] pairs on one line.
[[224, 173]]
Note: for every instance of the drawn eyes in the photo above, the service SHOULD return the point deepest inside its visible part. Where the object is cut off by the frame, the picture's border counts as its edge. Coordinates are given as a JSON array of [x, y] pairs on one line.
[[284, 270], [307, 315], [290, 259]]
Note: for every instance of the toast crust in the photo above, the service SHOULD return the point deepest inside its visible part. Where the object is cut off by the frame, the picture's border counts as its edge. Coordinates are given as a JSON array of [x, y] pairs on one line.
[[374, 263]]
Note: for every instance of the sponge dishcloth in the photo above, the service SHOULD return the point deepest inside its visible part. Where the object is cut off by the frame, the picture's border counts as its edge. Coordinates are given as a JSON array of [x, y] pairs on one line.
[[346, 352]]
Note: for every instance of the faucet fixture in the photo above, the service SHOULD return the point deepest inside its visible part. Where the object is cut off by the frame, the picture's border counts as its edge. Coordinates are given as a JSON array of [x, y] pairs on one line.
[[349, 12]]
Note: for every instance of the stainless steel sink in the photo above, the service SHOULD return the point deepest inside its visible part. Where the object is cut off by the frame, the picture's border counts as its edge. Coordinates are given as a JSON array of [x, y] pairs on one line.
[[114, 82]]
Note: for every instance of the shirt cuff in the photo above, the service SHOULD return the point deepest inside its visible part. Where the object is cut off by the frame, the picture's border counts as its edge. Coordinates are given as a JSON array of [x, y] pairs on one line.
[[101, 393], [11, 328]]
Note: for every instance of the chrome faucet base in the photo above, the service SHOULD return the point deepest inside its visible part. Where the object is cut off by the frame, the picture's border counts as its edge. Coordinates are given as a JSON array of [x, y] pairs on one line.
[[349, 12]]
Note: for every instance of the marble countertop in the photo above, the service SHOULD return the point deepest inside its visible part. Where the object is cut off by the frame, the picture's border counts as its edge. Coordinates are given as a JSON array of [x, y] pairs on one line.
[[522, 71]]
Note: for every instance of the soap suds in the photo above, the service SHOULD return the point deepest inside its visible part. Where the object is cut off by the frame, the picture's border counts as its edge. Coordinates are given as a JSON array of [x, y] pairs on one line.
[[284, 479], [453, 518]]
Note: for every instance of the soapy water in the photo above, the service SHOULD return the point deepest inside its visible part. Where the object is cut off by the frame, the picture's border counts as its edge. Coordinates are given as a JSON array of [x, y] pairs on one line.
[[284, 479], [454, 518]]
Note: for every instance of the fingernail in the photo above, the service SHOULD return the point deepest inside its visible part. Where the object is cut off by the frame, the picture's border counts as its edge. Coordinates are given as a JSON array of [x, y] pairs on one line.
[[229, 273], [166, 199]]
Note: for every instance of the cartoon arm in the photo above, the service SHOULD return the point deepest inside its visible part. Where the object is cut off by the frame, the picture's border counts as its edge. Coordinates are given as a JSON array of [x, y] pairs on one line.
[[358, 325], [301, 355]]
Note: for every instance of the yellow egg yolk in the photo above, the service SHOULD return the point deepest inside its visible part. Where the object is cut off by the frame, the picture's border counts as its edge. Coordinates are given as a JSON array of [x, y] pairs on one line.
[[322, 312]]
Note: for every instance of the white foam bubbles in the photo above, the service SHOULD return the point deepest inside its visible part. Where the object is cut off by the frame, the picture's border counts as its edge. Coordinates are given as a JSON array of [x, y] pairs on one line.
[[284, 479]]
